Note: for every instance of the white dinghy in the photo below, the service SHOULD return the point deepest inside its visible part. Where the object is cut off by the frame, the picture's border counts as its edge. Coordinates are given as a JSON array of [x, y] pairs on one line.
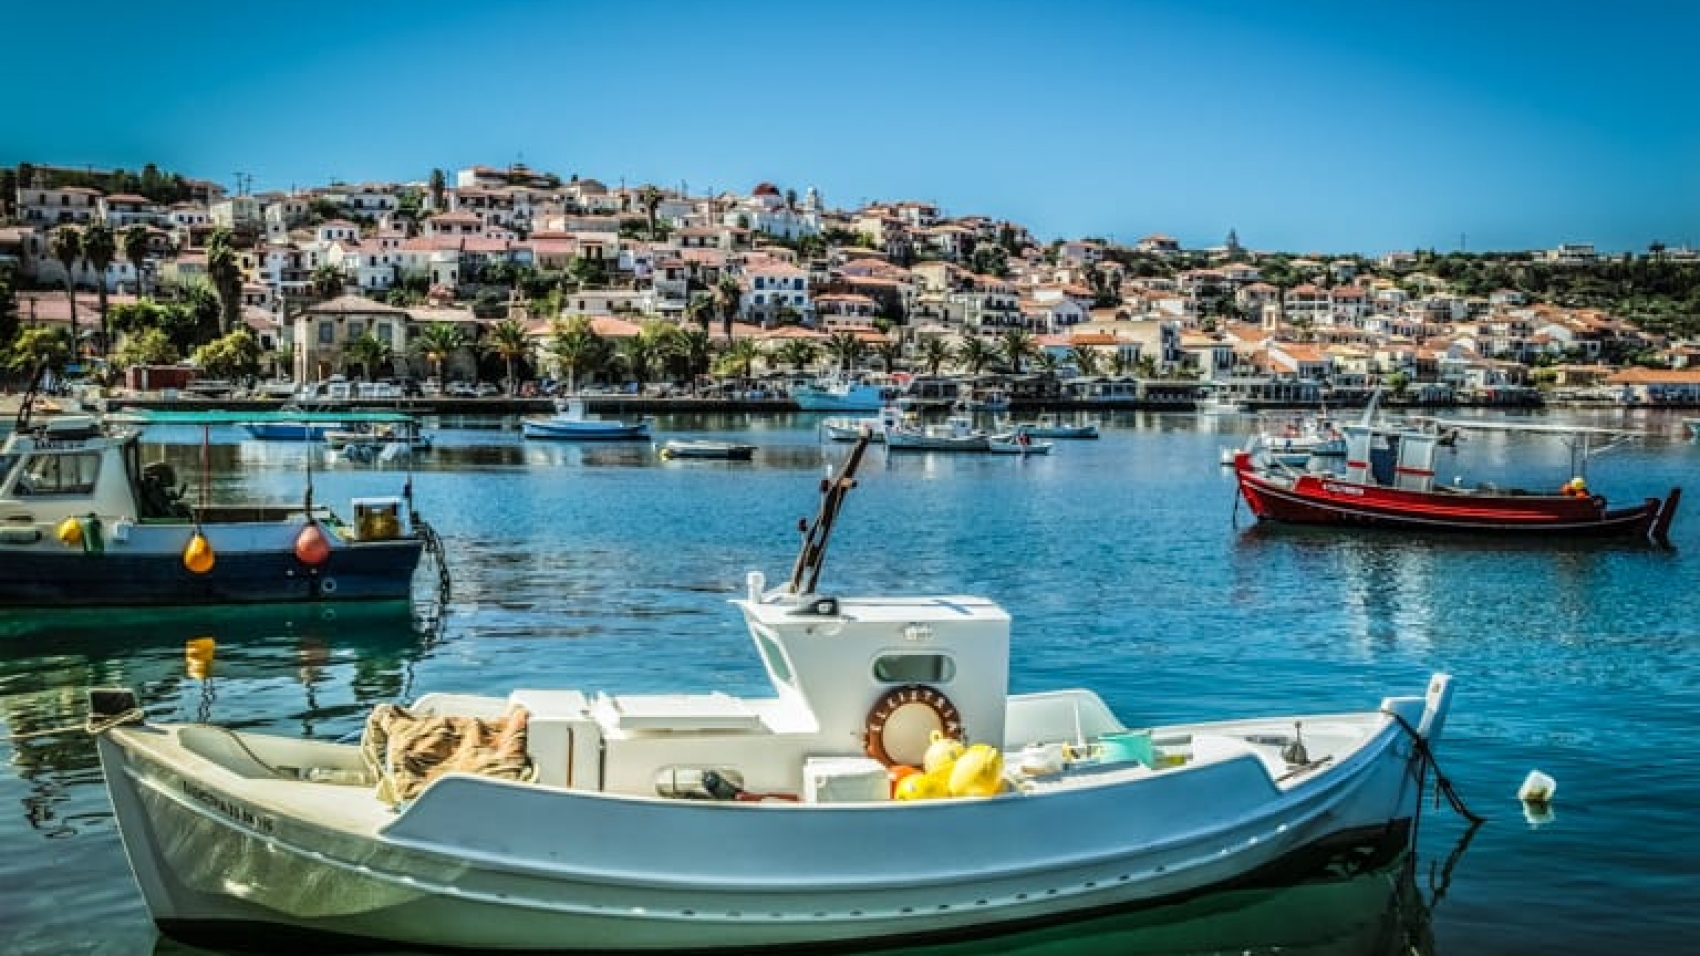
[[552, 819]]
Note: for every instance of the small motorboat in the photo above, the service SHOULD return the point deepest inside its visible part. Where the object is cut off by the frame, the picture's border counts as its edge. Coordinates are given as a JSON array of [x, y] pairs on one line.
[[87, 521], [573, 422], [1050, 425], [704, 448], [1017, 443], [955, 433], [891, 790]]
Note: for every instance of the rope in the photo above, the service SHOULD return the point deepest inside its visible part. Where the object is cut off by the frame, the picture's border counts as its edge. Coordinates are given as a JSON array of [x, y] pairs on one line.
[[91, 726], [1442, 786]]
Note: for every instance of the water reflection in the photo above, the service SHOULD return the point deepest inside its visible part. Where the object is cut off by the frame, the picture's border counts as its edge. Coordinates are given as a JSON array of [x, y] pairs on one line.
[[313, 667]]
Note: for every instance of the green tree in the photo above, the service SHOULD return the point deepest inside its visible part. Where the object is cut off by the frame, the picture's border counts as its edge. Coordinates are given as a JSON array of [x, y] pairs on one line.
[[797, 353], [437, 343], [509, 341], [235, 355], [739, 358], [100, 247], [728, 295], [975, 353], [650, 198], [328, 281], [37, 346], [135, 243], [576, 347], [146, 347], [889, 351], [225, 273], [1084, 358], [846, 349], [1016, 346], [371, 353], [935, 352], [67, 247], [688, 354], [439, 187]]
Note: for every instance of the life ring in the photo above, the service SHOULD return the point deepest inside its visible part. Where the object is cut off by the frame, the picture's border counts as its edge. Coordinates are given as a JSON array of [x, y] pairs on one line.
[[901, 724]]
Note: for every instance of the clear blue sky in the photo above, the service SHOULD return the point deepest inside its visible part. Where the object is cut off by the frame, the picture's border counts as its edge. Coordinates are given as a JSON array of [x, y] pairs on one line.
[[1309, 126]]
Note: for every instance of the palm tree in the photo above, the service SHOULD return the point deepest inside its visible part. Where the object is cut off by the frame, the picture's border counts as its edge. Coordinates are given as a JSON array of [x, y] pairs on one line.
[[438, 187], [689, 349], [728, 295], [739, 358], [575, 346], [975, 354], [67, 247], [934, 353], [509, 342], [797, 353], [889, 351], [700, 309], [1084, 358], [371, 353], [328, 281], [135, 243], [438, 342], [648, 349], [650, 198], [226, 275], [1015, 345], [99, 248], [846, 349]]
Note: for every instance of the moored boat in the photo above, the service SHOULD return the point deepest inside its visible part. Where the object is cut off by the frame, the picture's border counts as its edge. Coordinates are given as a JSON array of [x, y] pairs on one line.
[[1017, 443], [86, 522], [1389, 482], [573, 422], [707, 822], [1051, 425], [955, 433], [847, 428], [707, 449], [840, 394]]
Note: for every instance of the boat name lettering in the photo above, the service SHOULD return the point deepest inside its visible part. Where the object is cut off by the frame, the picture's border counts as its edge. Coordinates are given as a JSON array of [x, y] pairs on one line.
[[229, 808], [59, 444], [1338, 489]]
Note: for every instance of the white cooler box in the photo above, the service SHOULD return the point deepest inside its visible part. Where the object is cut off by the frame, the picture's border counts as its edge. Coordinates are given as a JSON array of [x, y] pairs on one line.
[[845, 780]]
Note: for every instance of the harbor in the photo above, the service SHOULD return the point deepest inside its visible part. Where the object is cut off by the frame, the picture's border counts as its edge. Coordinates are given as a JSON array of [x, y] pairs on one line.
[[1127, 562]]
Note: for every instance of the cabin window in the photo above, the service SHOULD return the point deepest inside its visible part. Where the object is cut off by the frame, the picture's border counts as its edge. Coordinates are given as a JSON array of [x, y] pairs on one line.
[[914, 669], [59, 475]]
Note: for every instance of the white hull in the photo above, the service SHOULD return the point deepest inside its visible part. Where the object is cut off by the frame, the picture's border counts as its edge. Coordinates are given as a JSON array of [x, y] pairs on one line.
[[490, 865]]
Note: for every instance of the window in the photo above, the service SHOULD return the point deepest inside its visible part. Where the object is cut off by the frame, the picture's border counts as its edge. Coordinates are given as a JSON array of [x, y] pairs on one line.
[[914, 668], [356, 329], [385, 333], [71, 474], [327, 332]]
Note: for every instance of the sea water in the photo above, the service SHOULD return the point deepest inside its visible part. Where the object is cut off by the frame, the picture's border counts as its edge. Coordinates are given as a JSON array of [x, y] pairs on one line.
[[1129, 567]]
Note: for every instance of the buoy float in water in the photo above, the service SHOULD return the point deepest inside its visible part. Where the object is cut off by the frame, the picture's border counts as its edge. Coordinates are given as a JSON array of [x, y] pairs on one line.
[[198, 554], [311, 548], [198, 656], [1537, 788]]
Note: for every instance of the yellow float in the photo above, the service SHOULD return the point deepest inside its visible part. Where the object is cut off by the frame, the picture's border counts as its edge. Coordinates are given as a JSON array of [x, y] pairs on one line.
[[977, 773], [198, 554]]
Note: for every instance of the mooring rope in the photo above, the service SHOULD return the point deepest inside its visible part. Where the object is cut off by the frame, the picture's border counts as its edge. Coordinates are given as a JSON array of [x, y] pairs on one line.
[[1442, 785]]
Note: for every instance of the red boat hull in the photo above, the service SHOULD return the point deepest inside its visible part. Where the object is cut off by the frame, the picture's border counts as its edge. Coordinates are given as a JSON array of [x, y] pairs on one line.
[[1331, 500]]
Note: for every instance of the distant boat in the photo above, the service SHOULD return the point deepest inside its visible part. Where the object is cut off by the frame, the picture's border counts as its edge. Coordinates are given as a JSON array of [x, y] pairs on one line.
[[847, 428], [1017, 443], [1050, 425], [708, 449], [842, 395], [956, 434], [572, 422]]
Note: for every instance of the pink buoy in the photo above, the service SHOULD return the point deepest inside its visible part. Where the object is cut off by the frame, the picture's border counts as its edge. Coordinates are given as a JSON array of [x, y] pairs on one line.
[[311, 548]]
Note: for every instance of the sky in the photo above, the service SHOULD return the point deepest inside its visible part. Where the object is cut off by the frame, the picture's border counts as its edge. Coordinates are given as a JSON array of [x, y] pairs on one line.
[[1307, 127]]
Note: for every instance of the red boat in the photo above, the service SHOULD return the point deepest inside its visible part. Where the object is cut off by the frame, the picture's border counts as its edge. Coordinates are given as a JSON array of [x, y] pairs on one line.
[[1388, 482]]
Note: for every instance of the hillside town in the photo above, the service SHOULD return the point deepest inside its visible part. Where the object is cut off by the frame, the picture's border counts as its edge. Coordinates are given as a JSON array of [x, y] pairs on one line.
[[510, 279]]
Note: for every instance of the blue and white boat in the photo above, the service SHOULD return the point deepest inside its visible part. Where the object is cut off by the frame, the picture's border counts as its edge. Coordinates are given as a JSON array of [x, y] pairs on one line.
[[843, 395], [572, 422]]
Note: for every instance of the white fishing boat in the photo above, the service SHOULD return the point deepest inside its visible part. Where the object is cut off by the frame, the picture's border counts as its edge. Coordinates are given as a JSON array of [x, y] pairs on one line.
[[955, 433], [850, 428], [889, 791], [1017, 443], [86, 520], [1051, 425], [572, 421]]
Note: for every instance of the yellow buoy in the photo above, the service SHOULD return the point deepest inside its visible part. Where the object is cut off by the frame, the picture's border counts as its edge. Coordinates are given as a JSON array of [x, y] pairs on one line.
[[198, 656], [977, 773], [311, 548], [70, 532], [922, 786], [198, 554], [941, 752]]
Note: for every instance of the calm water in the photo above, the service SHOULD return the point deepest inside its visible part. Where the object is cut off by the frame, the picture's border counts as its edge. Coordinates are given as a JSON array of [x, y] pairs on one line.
[[1128, 568]]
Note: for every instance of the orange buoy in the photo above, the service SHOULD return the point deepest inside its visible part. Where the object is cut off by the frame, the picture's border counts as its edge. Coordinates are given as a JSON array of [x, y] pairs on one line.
[[311, 547], [198, 554], [198, 656], [898, 773]]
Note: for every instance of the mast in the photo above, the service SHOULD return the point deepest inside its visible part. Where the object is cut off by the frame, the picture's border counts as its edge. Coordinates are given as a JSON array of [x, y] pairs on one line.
[[816, 534]]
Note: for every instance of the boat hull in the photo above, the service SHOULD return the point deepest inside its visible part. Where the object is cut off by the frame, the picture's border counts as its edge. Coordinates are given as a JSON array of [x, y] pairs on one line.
[[253, 564], [1321, 499], [585, 431], [486, 865]]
